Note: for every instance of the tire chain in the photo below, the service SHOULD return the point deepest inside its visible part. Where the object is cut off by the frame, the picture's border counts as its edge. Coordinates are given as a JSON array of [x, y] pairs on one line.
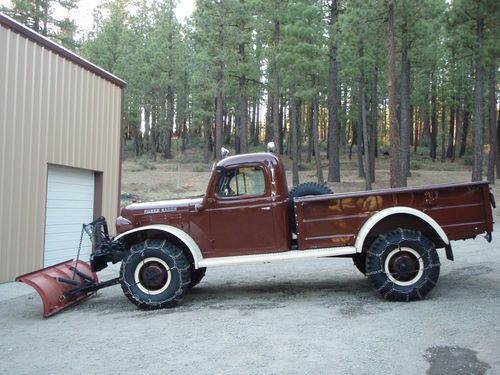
[[179, 257], [417, 236]]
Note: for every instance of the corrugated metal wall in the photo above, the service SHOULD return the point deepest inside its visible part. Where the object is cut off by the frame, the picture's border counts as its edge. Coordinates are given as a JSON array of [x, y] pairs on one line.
[[52, 111]]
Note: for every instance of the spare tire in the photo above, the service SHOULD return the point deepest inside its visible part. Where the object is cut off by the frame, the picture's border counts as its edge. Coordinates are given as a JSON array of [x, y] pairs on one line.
[[302, 190]]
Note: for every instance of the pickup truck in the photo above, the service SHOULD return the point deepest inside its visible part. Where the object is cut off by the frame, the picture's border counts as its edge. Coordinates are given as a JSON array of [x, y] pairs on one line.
[[248, 216]]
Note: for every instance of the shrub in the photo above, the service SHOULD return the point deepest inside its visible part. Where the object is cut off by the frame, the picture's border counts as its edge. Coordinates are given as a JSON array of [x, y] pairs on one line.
[[146, 163]]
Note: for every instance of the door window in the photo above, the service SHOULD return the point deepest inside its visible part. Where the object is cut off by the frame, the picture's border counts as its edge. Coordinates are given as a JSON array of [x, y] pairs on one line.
[[241, 181]]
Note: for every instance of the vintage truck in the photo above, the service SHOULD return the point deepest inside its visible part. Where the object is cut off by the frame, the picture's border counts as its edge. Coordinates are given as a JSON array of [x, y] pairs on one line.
[[248, 216]]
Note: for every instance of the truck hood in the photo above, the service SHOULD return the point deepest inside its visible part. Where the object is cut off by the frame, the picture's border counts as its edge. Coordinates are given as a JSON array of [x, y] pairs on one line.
[[160, 207], [172, 212]]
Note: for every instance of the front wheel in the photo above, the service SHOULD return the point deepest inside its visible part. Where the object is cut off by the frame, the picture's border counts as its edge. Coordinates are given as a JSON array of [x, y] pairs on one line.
[[402, 265], [155, 275]]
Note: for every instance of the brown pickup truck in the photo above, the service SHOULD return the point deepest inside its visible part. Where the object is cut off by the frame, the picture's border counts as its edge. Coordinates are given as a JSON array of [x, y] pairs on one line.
[[248, 215]]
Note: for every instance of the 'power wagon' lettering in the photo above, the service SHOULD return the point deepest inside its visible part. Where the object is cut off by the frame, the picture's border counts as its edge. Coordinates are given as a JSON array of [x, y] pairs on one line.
[[160, 210]]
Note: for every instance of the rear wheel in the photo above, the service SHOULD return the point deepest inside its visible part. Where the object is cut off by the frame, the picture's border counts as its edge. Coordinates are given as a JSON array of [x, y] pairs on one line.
[[402, 265], [155, 274]]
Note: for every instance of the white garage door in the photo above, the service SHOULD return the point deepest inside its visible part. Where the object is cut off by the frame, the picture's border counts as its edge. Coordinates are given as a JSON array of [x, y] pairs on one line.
[[70, 203]]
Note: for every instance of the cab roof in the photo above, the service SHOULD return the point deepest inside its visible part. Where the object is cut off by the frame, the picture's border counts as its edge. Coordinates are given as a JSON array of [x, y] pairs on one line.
[[258, 157]]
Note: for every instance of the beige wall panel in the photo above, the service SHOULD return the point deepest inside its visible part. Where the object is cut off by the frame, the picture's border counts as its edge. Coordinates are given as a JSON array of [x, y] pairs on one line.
[[52, 111]]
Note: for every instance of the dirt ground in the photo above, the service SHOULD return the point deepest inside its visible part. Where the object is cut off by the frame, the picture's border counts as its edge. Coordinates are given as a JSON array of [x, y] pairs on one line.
[[316, 316]]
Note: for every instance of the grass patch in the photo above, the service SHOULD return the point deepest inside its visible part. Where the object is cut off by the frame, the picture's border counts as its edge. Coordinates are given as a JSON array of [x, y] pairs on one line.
[[146, 163], [201, 168], [190, 156]]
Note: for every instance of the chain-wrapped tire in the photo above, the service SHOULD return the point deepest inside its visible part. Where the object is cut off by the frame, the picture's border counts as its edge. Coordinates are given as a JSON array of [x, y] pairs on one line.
[[402, 265], [155, 274]]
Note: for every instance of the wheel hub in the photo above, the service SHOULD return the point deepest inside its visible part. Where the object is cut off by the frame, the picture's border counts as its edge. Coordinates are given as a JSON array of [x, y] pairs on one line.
[[152, 275], [404, 266]]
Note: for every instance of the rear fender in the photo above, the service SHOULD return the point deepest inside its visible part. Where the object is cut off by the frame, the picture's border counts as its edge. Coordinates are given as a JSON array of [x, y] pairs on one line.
[[376, 218], [181, 235]]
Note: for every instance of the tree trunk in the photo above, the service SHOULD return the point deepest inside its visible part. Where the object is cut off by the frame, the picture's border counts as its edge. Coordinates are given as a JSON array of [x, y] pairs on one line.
[[243, 118], [492, 103], [257, 124], [433, 135], [276, 81], [294, 137], [405, 104], [333, 107], [477, 164], [154, 126], [315, 131], [136, 131], [207, 135], [282, 119], [465, 130], [498, 142], [310, 136], [416, 138], [300, 114], [342, 109], [243, 104], [443, 135], [425, 134], [366, 154], [374, 127], [269, 120], [167, 153], [397, 179], [450, 152], [359, 130], [253, 122], [458, 122], [218, 116]]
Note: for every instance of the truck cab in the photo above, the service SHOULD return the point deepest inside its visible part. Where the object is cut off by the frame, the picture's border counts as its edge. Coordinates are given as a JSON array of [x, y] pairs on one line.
[[247, 205], [244, 210]]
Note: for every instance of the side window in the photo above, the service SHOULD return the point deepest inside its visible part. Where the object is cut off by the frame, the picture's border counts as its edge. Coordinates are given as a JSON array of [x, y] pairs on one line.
[[241, 181]]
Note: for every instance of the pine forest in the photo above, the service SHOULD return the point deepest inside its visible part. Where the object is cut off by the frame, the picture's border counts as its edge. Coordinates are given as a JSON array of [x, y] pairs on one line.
[[323, 79]]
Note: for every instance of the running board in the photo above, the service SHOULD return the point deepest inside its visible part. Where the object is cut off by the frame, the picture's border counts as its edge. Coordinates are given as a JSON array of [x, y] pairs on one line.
[[271, 257]]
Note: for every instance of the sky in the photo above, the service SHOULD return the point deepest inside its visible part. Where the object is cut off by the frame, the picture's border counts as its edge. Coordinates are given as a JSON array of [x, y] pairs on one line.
[[84, 18]]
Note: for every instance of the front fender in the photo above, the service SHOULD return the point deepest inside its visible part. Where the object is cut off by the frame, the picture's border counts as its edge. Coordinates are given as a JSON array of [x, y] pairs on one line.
[[181, 235], [376, 218]]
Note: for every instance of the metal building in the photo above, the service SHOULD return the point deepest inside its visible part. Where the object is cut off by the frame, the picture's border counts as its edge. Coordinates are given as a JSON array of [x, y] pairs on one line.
[[60, 121]]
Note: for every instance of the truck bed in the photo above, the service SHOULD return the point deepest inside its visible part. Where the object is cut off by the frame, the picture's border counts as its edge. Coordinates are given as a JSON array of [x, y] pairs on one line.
[[462, 210]]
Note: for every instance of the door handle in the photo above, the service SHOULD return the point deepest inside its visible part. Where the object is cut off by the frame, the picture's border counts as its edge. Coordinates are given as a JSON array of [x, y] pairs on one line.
[[265, 208]]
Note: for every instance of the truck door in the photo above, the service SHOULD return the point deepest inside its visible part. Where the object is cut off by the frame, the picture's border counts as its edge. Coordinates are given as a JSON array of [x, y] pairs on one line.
[[241, 213]]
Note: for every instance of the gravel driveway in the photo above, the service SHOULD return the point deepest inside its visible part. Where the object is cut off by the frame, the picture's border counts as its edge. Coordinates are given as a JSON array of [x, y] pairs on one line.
[[314, 317]]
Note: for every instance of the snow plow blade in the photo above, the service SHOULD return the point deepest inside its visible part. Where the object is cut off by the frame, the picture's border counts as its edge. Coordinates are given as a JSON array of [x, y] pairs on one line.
[[62, 284]]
